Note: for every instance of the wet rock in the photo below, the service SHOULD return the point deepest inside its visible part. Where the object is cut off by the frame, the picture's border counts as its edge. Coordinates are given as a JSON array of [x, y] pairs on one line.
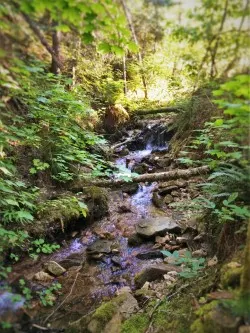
[[130, 188], [54, 268], [157, 200], [124, 208], [151, 227], [149, 255], [164, 162], [168, 199], [135, 240], [140, 168], [153, 273], [123, 151], [117, 261], [100, 246], [43, 277]]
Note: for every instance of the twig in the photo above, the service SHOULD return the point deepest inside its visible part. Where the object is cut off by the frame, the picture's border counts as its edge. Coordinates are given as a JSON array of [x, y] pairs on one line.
[[71, 290], [40, 327]]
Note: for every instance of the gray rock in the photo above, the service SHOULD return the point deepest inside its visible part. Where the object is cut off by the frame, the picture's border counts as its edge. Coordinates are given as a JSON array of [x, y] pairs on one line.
[[135, 240], [130, 188], [153, 273], [168, 199], [164, 162], [100, 246], [149, 255], [67, 263], [54, 268], [157, 200], [152, 227], [43, 277], [117, 261]]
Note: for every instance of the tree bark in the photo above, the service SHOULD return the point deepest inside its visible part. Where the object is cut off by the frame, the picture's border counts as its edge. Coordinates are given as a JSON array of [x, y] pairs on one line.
[[140, 60], [56, 39], [215, 49], [40, 36], [147, 177], [237, 43]]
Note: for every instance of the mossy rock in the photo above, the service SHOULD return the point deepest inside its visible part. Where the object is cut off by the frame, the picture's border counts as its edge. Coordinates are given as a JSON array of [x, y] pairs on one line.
[[56, 215], [231, 275], [136, 324], [213, 318], [108, 317], [97, 201]]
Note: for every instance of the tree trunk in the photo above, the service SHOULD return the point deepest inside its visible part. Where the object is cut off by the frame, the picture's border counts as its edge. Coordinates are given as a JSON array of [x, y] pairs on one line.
[[125, 75], [56, 38], [215, 49], [237, 43], [41, 37], [140, 60], [147, 177]]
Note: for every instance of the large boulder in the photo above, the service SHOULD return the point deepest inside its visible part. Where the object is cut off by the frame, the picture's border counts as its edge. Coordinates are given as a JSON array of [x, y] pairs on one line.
[[108, 318], [151, 227]]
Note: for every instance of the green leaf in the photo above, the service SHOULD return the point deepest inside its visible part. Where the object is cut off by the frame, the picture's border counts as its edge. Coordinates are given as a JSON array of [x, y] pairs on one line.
[[132, 47], [104, 48], [5, 171], [119, 51], [12, 202], [218, 122]]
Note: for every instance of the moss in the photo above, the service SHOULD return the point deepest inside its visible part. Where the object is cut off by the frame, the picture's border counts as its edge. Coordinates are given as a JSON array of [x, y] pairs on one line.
[[230, 275], [97, 201], [55, 215], [105, 312], [136, 324], [177, 314]]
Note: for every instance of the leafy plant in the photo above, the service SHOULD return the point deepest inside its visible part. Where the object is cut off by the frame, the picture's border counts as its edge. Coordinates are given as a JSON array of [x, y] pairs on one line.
[[26, 292], [191, 266], [47, 296], [39, 246], [223, 142], [38, 166]]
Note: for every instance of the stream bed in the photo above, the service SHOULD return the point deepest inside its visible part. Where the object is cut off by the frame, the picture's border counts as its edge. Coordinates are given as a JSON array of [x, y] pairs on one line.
[[99, 259]]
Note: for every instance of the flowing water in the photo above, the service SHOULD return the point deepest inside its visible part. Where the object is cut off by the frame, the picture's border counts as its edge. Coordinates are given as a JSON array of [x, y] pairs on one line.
[[102, 278]]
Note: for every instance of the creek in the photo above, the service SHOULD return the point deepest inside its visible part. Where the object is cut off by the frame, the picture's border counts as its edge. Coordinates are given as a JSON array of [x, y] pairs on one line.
[[99, 260]]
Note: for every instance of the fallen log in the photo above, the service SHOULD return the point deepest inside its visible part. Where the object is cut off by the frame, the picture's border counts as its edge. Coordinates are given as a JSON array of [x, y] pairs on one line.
[[147, 177], [154, 111]]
